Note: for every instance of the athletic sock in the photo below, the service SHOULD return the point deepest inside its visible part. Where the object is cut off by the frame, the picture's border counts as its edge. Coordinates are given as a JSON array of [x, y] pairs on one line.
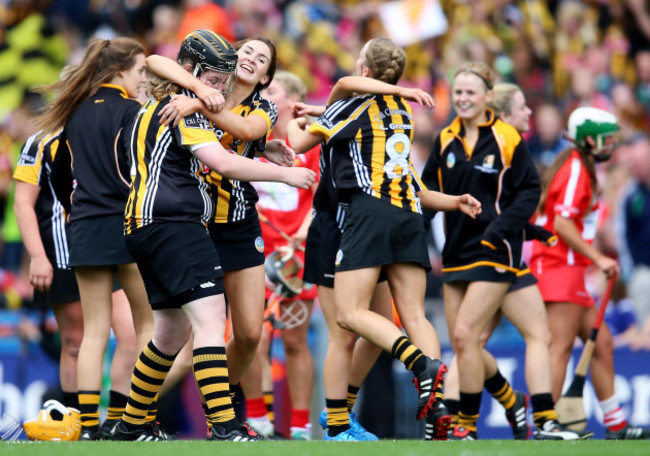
[[116, 405], [543, 408], [613, 416], [256, 408], [352, 396], [71, 399], [338, 417], [470, 404], [453, 407], [268, 400], [211, 373], [89, 408], [501, 390], [299, 418], [152, 413], [148, 376], [409, 354]]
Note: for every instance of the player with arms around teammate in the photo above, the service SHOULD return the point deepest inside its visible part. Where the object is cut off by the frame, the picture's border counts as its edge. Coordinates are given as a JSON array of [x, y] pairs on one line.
[[368, 140], [243, 127], [166, 216]]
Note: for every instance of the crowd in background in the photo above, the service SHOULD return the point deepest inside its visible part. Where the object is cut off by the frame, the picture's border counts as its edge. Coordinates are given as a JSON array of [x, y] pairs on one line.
[[562, 53]]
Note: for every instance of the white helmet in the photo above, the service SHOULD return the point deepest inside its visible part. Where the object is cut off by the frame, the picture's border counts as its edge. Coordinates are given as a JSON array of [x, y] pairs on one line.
[[596, 124]]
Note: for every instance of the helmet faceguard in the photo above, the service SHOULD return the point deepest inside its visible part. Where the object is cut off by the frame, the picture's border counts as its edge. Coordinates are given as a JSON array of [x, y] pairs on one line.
[[599, 125], [10, 428], [207, 50]]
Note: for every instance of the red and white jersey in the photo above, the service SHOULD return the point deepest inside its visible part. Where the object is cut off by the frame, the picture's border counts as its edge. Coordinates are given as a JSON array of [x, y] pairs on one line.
[[569, 196], [286, 208]]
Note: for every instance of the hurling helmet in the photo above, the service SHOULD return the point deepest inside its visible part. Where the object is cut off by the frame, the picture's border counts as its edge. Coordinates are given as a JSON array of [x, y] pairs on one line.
[[208, 50], [282, 269], [594, 123], [55, 422]]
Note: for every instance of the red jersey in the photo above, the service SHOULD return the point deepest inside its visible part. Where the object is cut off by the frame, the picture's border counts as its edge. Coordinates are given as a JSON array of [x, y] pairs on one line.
[[286, 208], [569, 196]]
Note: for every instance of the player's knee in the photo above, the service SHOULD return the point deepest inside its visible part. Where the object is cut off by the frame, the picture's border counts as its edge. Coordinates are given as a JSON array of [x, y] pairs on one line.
[[294, 342], [345, 320], [462, 338], [604, 346], [70, 345]]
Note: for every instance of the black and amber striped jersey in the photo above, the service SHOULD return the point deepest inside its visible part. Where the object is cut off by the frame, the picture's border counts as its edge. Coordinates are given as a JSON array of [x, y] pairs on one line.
[[168, 183], [235, 200], [499, 172], [93, 160], [369, 140], [34, 167]]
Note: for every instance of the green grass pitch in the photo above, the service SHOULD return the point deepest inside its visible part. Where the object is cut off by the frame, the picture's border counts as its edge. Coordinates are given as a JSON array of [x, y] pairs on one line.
[[318, 448]]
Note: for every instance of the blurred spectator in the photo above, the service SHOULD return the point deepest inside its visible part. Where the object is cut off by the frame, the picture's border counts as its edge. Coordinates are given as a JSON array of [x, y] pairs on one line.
[[31, 53], [547, 139], [162, 39], [637, 24], [583, 91], [205, 14], [631, 115], [634, 231], [642, 63], [576, 30]]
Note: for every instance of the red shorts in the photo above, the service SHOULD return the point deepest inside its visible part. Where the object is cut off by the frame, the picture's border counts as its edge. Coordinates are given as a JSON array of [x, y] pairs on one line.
[[564, 284]]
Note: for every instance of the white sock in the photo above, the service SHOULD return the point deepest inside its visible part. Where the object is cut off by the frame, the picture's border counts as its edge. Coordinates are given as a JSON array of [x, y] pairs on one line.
[[612, 414]]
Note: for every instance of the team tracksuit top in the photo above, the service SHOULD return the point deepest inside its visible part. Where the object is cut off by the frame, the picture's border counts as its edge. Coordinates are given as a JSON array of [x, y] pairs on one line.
[[499, 172]]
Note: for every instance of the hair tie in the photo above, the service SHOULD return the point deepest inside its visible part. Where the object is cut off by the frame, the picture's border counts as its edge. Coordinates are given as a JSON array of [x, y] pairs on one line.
[[489, 86]]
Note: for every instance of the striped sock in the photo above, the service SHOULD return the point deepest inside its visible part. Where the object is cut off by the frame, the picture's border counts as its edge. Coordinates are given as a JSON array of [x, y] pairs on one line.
[[501, 390], [269, 398], [338, 417], [470, 404], [453, 406], [211, 373], [409, 354], [116, 405], [543, 408], [613, 416], [352, 396], [152, 413], [148, 376], [89, 408]]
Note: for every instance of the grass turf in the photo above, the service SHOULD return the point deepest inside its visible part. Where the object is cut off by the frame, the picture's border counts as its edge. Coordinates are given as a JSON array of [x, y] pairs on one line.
[[317, 448]]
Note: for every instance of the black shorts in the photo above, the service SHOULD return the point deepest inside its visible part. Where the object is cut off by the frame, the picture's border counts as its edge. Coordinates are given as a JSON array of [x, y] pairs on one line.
[[240, 244], [98, 241], [524, 279], [323, 240], [177, 261], [377, 233], [64, 289]]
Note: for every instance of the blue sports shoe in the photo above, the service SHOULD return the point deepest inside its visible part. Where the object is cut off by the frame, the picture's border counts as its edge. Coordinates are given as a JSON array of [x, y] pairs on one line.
[[322, 418], [345, 436], [359, 431], [356, 429]]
